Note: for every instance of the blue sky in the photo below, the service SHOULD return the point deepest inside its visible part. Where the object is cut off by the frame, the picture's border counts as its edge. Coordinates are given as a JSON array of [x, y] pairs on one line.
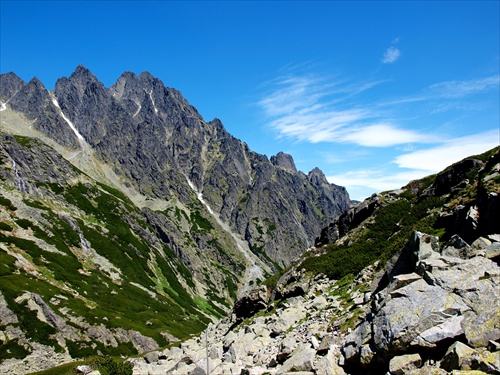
[[373, 93]]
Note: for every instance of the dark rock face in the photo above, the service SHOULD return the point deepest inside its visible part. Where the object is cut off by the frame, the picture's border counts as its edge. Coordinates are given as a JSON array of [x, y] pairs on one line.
[[34, 101], [351, 218], [156, 141], [455, 175], [10, 84], [284, 161]]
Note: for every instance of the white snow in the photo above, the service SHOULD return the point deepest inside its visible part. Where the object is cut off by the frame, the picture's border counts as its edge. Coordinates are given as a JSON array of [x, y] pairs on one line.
[[152, 100], [138, 110], [3, 106], [75, 130]]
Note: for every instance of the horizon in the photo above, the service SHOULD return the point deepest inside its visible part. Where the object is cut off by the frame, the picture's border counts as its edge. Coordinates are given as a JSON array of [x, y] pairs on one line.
[[380, 107]]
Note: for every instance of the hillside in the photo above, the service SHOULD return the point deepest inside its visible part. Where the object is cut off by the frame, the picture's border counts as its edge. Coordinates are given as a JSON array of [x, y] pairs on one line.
[[128, 222], [409, 285]]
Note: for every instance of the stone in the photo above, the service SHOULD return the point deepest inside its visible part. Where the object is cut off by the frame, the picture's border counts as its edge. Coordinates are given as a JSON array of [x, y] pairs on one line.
[[254, 301], [417, 308], [83, 369], [366, 355], [300, 360], [450, 328], [402, 364], [457, 247], [151, 357], [427, 370], [400, 281], [458, 356], [328, 365], [480, 243], [319, 303], [314, 342]]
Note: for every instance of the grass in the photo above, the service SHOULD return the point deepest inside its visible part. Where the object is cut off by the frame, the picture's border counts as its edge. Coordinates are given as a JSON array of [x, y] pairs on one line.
[[106, 365], [107, 220], [393, 225]]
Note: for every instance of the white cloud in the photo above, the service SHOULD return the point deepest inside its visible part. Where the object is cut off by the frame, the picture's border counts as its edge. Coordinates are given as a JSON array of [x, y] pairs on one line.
[[435, 159], [313, 109], [362, 183], [459, 89], [382, 135], [306, 109], [391, 55]]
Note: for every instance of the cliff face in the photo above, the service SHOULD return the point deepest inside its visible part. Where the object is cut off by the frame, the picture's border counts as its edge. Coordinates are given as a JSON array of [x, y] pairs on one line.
[[129, 222]]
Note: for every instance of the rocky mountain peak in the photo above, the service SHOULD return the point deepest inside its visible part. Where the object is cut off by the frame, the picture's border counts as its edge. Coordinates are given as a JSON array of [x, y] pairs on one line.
[[82, 73], [31, 98], [10, 84], [284, 161], [317, 177]]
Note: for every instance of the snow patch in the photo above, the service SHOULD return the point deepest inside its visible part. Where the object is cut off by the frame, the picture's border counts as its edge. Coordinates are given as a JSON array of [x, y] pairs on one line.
[[138, 110], [75, 130], [3, 106], [152, 100]]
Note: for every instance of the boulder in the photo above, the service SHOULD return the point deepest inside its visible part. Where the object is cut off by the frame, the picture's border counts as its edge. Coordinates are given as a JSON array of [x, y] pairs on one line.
[[328, 365], [253, 302], [402, 364], [300, 360], [457, 247], [151, 357], [459, 356], [417, 308], [480, 243]]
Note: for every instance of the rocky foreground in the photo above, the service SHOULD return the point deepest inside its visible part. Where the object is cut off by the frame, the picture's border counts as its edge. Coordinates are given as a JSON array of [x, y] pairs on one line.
[[431, 310]]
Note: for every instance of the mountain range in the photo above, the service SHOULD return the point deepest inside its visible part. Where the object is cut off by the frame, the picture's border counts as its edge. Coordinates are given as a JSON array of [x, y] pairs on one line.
[[130, 222]]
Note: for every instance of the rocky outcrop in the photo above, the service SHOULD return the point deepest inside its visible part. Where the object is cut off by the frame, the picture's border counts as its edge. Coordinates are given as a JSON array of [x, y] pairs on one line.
[[415, 323], [348, 220], [10, 84], [34, 101], [451, 295]]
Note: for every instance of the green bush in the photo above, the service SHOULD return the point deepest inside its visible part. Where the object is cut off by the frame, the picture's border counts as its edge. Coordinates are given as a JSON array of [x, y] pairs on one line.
[[12, 349], [7, 203], [393, 225], [5, 226], [111, 366]]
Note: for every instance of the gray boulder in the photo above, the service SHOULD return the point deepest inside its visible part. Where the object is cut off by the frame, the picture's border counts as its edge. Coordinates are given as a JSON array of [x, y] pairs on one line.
[[402, 364]]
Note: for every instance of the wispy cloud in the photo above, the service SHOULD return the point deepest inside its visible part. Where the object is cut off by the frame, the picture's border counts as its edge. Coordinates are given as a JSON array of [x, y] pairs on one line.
[[391, 55], [382, 135], [311, 109], [361, 183], [459, 89], [414, 165], [451, 90], [396, 133]]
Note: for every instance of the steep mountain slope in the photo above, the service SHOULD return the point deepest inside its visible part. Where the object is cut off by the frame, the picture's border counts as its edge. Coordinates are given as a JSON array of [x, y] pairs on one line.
[[128, 222], [155, 142], [383, 298]]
